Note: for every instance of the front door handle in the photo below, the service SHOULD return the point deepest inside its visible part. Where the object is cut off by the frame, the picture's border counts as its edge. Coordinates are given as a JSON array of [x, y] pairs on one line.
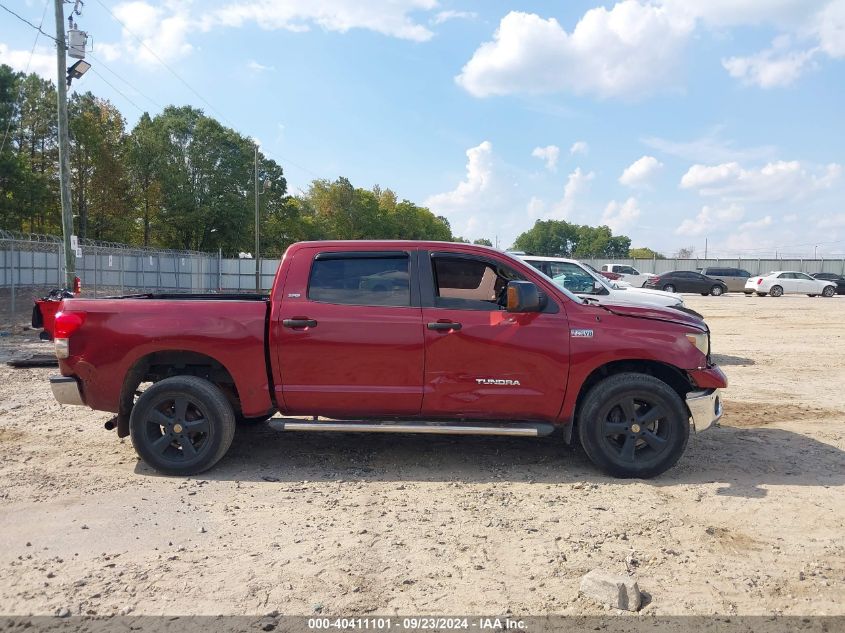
[[299, 323], [444, 325]]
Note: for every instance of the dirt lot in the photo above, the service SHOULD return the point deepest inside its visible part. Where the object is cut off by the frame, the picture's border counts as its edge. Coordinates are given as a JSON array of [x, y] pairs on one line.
[[750, 522]]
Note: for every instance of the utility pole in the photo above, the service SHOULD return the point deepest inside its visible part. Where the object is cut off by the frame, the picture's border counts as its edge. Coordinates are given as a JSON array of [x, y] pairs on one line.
[[705, 248], [257, 254], [64, 144]]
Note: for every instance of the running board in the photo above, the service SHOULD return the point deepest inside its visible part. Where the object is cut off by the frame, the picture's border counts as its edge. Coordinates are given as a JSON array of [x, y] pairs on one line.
[[526, 429]]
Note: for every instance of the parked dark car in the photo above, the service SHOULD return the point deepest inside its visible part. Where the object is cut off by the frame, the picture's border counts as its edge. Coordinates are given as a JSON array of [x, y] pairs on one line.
[[687, 281], [734, 278], [839, 279]]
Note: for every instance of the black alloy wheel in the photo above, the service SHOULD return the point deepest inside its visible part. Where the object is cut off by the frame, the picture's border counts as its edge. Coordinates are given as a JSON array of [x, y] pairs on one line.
[[182, 425]]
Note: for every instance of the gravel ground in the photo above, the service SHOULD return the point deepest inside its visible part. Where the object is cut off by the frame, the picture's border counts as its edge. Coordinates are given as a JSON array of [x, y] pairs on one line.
[[750, 522]]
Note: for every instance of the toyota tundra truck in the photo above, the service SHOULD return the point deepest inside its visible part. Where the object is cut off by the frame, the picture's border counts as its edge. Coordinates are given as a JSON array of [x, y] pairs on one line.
[[392, 337]]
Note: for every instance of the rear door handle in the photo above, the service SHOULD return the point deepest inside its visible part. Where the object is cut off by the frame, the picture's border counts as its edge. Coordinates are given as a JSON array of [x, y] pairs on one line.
[[299, 323], [444, 325]]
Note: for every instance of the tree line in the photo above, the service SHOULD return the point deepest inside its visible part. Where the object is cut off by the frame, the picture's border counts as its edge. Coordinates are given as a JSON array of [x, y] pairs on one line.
[[183, 180]]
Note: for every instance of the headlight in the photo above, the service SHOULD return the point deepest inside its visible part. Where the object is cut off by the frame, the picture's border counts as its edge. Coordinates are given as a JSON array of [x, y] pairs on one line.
[[699, 340]]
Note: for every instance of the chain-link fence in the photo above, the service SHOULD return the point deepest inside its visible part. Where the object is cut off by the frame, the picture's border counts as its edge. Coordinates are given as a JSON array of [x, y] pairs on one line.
[[32, 265], [754, 266]]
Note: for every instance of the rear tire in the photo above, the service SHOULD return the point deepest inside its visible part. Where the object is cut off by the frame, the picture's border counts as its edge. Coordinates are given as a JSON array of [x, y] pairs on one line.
[[761, 294], [182, 425], [776, 291], [633, 425]]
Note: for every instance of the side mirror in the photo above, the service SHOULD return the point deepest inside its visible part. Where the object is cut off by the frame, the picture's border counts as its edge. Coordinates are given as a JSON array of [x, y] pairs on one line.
[[597, 286], [523, 296]]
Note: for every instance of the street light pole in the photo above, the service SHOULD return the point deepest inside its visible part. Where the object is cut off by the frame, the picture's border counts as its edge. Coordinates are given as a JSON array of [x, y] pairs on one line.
[[257, 245], [64, 145]]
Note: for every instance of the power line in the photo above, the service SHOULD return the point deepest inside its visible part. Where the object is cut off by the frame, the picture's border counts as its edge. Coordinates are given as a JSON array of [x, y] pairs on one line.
[[126, 81], [28, 62], [163, 63], [112, 86], [191, 88], [25, 21]]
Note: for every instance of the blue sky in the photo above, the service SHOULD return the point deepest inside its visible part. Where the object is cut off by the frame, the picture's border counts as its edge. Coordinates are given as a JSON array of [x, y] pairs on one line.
[[673, 121]]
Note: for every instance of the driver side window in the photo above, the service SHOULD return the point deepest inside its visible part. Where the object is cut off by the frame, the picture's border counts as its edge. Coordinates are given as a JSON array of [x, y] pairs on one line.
[[470, 284]]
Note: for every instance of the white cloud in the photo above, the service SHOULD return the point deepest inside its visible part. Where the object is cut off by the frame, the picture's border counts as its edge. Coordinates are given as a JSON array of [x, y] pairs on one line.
[[478, 179], [779, 180], [549, 155], [577, 183], [770, 68], [620, 216], [165, 28], [535, 207], [710, 219], [482, 204], [43, 60], [709, 149], [727, 13], [163, 31], [635, 47], [579, 147], [756, 224], [830, 26], [629, 50], [445, 16], [388, 17], [640, 171], [255, 67]]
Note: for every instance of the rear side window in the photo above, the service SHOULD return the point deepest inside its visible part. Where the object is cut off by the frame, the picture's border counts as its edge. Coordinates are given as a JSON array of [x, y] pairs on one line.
[[354, 280]]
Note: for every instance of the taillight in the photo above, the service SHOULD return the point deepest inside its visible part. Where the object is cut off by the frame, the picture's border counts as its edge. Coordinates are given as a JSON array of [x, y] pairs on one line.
[[66, 324], [759, 281]]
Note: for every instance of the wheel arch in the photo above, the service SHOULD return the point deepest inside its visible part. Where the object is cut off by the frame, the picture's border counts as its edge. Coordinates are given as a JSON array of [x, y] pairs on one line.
[[676, 378], [158, 365]]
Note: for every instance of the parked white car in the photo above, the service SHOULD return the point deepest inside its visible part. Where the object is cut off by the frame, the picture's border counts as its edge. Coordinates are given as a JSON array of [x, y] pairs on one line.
[[782, 282], [579, 279], [629, 274]]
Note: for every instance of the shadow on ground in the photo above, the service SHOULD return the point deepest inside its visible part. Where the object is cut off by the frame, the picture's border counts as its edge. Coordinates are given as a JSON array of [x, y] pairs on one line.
[[744, 459], [727, 360]]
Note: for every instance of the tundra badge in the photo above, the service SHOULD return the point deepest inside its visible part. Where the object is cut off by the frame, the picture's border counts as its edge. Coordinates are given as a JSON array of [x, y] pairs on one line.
[[498, 381]]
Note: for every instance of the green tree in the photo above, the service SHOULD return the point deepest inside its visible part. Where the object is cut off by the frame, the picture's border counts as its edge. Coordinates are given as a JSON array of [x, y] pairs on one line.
[[645, 253], [33, 142], [482, 241], [100, 185], [205, 174], [560, 238], [144, 152]]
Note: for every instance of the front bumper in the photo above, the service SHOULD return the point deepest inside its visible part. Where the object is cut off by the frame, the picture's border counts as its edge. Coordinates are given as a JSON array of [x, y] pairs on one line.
[[66, 390], [705, 408]]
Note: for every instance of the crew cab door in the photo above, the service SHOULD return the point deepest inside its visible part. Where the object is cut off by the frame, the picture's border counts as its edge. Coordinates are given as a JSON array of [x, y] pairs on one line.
[[483, 362], [349, 334]]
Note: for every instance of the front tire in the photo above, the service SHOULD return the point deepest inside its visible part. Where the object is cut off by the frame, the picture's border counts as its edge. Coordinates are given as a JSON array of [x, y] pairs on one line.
[[828, 291], [633, 425], [717, 291], [669, 288], [182, 425], [776, 291]]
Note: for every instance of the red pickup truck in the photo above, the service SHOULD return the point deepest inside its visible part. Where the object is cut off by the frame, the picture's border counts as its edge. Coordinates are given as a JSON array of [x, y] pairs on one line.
[[392, 336]]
